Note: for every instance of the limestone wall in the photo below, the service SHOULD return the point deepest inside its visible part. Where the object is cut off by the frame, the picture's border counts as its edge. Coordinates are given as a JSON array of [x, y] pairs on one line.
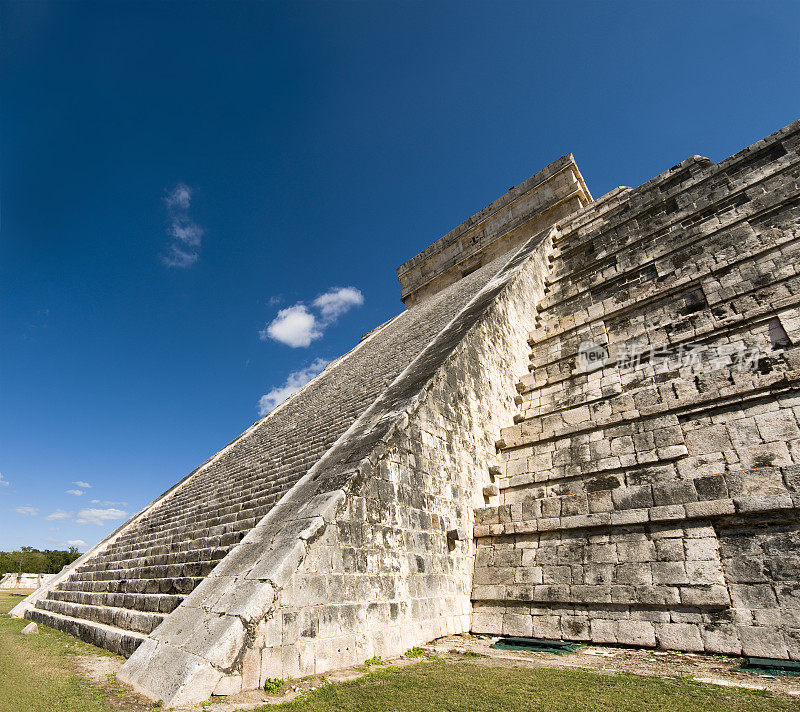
[[648, 493]]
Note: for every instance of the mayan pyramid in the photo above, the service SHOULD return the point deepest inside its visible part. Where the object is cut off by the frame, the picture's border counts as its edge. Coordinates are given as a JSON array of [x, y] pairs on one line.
[[584, 426]]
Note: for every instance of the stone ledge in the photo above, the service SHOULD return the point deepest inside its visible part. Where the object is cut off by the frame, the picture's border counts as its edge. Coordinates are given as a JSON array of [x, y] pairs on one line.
[[748, 491]]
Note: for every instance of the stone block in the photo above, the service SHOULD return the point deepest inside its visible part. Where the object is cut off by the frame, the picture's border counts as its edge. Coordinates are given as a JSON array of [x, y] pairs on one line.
[[280, 563], [547, 627], [707, 440], [603, 631], [755, 595], [229, 685], [679, 636], [251, 669], [634, 574], [636, 551], [777, 425], [247, 599], [765, 503], [710, 487], [600, 501], [218, 639], [705, 595], [518, 624], [633, 632], [668, 493], [723, 639], [704, 573], [670, 573], [575, 627], [760, 642], [710, 508], [488, 622], [640, 496], [629, 516]]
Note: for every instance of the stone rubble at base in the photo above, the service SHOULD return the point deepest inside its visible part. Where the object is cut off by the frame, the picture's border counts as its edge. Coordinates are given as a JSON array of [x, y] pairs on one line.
[[584, 427]]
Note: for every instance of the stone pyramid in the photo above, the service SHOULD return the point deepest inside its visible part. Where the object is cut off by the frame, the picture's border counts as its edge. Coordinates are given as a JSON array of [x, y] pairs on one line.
[[584, 426]]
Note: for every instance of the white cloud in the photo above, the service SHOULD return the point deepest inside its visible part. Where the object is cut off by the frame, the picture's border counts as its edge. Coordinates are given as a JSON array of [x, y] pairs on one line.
[[77, 543], [294, 326], [294, 382], [3, 483], [75, 492], [59, 514], [335, 302], [28, 511], [106, 503], [186, 235], [98, 516], [82, 485]]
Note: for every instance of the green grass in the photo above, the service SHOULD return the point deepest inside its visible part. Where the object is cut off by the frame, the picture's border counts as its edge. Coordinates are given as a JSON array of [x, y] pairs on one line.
[[37, 672], [415, 652], [273, 685], [475, 687]]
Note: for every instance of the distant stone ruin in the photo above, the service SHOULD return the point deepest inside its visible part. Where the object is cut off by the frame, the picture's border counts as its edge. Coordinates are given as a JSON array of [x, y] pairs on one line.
[[22, 581], [584, 427]]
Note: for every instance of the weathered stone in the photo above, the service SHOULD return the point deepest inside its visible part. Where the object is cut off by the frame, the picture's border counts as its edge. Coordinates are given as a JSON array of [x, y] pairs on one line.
[[644, 495]]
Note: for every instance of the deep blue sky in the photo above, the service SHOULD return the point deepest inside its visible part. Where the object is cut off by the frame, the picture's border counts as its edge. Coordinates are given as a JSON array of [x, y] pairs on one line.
[[320, 146]]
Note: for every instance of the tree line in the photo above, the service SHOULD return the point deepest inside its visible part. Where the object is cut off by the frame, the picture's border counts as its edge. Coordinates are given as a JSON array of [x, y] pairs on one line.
[[28, 560]]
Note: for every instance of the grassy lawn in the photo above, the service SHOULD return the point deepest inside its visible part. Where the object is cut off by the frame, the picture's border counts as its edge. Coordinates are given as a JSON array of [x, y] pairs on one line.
[[37, 672], [483, 687]]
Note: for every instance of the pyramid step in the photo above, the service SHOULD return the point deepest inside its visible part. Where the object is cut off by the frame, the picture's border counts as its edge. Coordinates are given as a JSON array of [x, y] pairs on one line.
[[184, 537], [177, 557], [123, 618], [145, 602], [170, 571], [116, 553], [181, 585], [109, 637]]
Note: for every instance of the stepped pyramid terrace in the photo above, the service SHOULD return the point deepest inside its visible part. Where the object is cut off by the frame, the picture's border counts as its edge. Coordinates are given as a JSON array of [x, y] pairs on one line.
[[584, 426]]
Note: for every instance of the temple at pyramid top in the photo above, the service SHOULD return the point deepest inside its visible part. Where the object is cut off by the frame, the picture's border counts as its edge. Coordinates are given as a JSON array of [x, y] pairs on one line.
[[505, 224]]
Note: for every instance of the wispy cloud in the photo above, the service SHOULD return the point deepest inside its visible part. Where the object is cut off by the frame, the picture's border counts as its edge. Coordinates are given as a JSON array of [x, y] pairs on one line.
[[3, 482], [75, 492], [77, 543], [99, 516], [185, 234], [28, 511], [107, 503], [59, 514], [82, 485], [297, 326], [294, 382]]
